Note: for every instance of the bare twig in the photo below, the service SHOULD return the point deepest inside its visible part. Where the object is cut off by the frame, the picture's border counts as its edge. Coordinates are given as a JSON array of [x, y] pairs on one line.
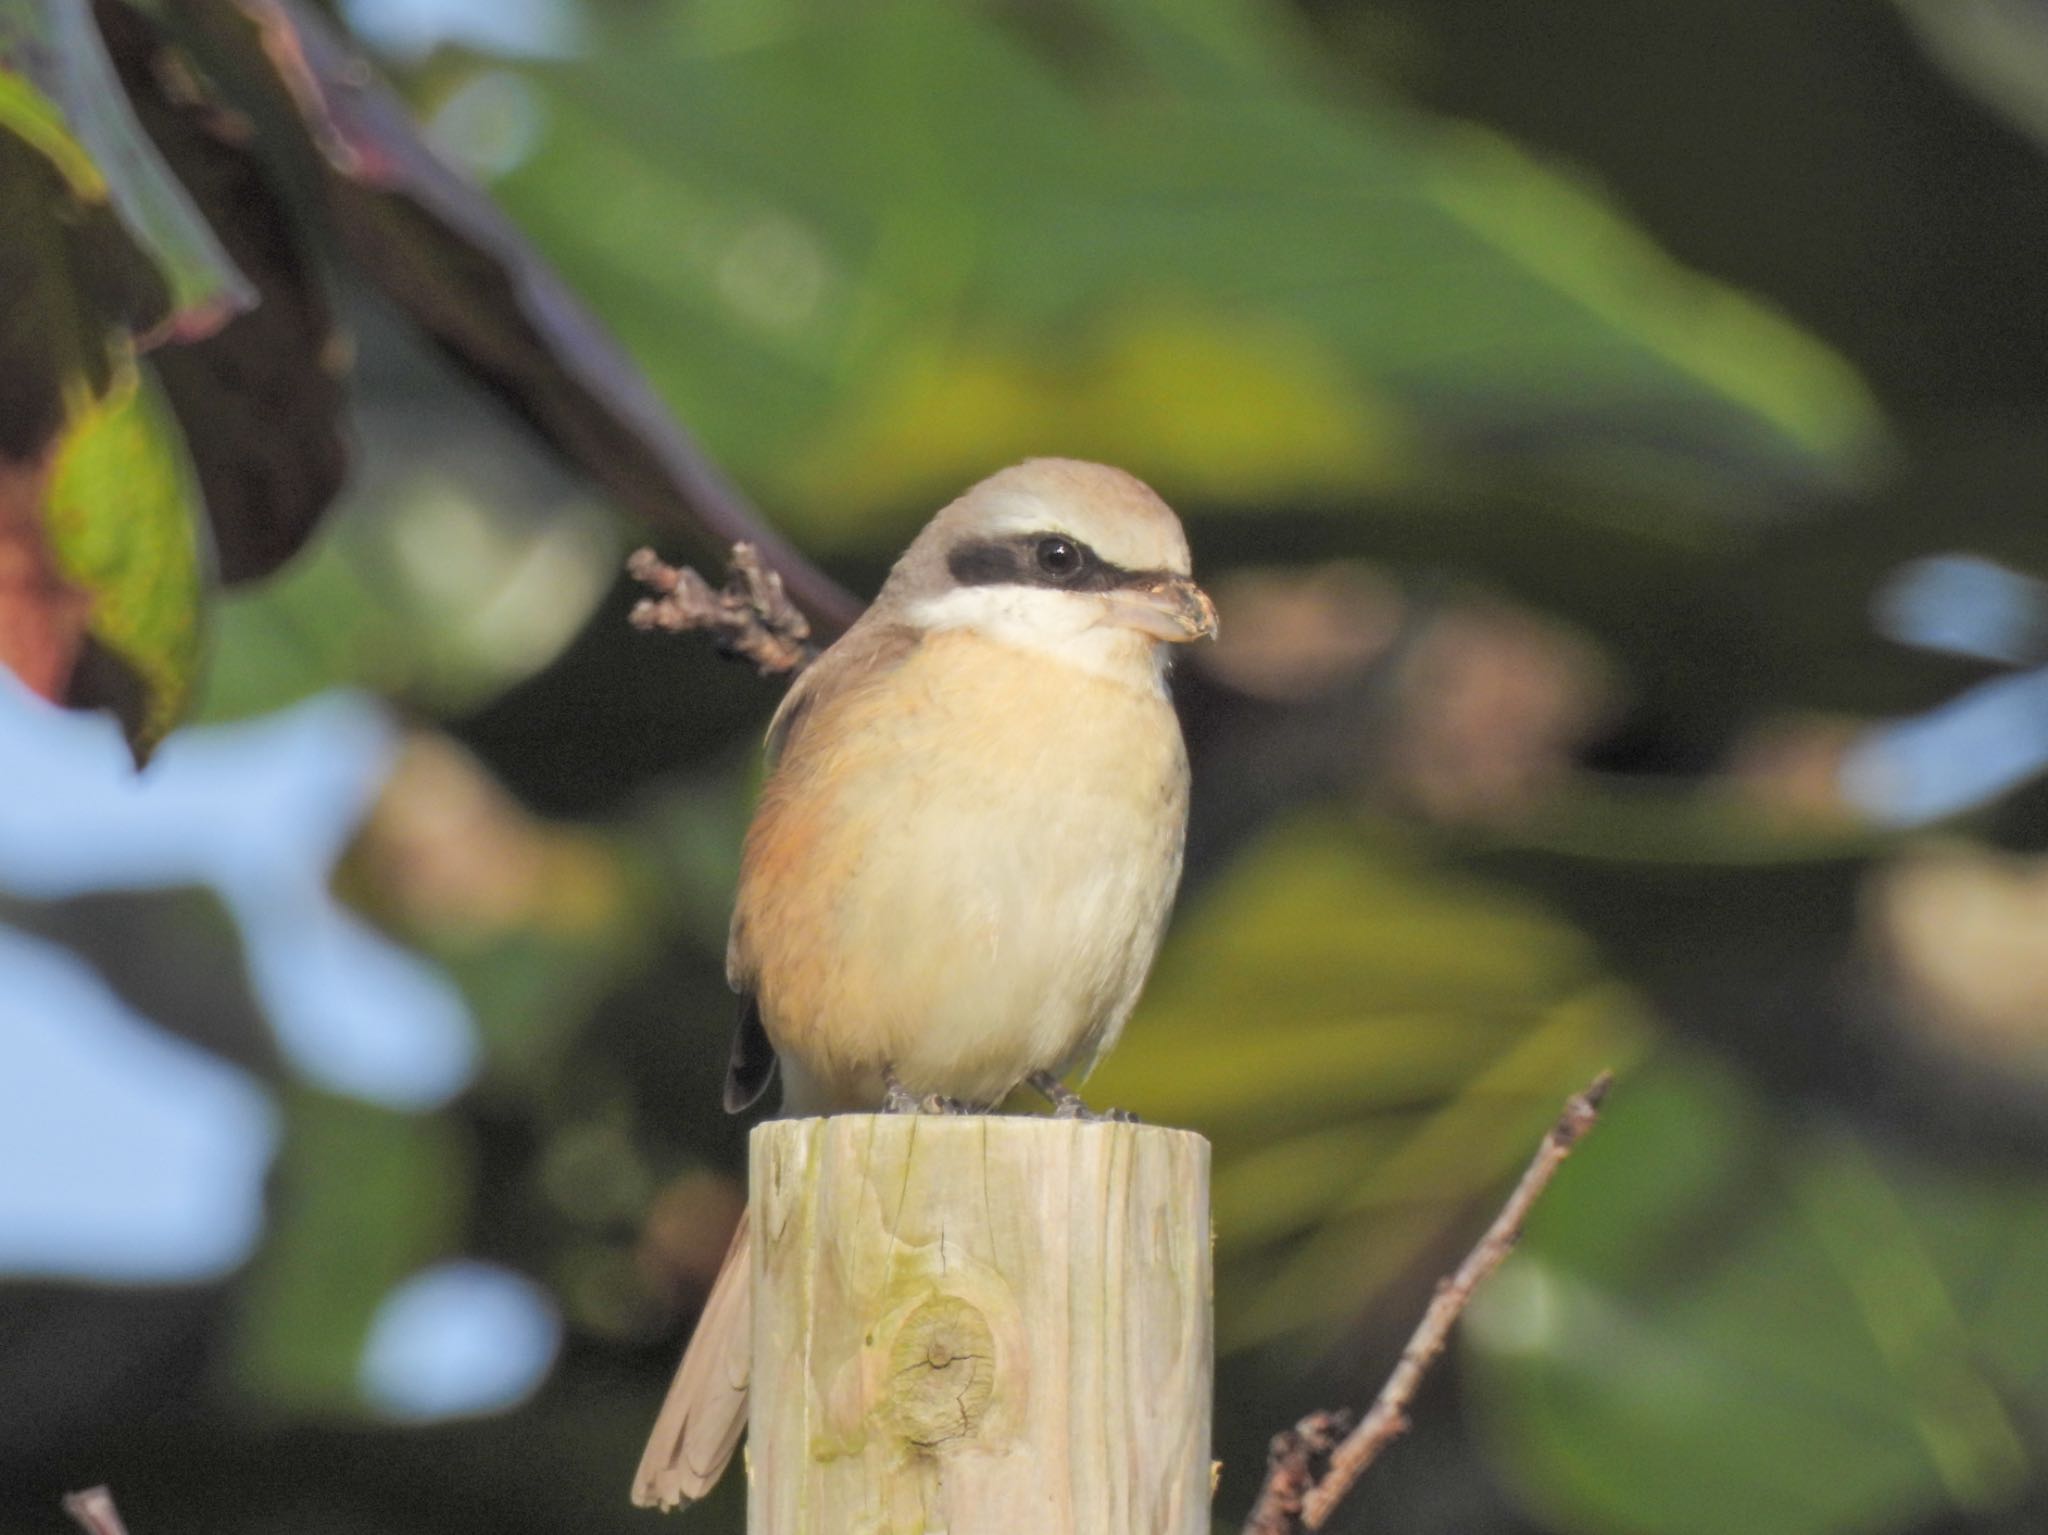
[[750, 616], [1293, 1499], [93, 1511], [1297, 1460]]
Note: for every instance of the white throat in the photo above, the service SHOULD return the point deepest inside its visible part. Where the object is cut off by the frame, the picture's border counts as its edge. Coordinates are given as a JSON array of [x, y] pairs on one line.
[[1071, 627]]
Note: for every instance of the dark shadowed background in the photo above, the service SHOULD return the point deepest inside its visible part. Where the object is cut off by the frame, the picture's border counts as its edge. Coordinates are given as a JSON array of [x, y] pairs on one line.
[[1616, 437]]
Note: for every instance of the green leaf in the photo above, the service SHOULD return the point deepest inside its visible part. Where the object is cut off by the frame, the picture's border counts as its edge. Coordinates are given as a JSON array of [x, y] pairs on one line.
[[120, 516], [98, 502], [34, 119], [1785, 1330], [873, 252]]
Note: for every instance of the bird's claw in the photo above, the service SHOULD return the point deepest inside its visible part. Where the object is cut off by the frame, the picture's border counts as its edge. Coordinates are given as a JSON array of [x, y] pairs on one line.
[[1076, 1109], [1068, 1104], [898, 1099]]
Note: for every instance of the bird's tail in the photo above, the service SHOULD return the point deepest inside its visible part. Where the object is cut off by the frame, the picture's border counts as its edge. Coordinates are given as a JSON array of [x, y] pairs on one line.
[[706, 1409]]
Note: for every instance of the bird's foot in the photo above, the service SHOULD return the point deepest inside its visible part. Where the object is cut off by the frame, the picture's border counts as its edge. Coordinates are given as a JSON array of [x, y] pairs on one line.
[[1068, 1104], [898, 1099]]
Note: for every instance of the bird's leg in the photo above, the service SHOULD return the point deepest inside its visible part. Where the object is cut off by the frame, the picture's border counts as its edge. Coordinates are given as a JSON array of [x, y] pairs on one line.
[[898, 1099], [1067, 1104]]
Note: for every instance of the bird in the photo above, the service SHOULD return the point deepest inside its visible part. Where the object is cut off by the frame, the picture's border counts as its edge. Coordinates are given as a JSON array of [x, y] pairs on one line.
[[964, 853]]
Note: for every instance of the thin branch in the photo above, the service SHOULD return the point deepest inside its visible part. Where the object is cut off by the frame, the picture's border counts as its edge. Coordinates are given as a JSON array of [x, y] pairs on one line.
[[1285, 1505], [1299, 1457], [93, 1511], [751, 616]]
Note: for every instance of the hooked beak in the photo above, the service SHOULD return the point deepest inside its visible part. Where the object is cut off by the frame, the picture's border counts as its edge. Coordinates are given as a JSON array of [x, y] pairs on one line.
[[1169, 608]]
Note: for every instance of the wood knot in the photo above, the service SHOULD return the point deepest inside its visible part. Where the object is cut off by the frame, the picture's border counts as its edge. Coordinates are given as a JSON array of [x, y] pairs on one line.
[[942, 1372]]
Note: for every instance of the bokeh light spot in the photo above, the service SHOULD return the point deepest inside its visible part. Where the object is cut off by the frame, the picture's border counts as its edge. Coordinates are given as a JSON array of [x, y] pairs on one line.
[[458, 1340]]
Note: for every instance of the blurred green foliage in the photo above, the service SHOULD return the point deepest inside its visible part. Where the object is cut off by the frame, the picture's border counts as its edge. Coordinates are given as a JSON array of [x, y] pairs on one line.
[[1861, 1309], [1139, 231], [1555, 781]]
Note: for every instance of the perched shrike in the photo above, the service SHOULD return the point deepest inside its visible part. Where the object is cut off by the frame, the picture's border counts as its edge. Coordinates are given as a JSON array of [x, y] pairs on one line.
[[965, 853]]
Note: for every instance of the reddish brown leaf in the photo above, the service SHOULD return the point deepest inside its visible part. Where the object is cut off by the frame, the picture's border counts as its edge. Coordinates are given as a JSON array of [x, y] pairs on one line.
[[42, 616]]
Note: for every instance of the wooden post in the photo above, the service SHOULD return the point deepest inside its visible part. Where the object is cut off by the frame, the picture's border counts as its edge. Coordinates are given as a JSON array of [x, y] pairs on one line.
[[979, 1325]]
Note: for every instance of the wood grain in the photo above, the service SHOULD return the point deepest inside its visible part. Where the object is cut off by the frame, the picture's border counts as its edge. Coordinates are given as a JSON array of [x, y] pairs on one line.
[[979, 1325]]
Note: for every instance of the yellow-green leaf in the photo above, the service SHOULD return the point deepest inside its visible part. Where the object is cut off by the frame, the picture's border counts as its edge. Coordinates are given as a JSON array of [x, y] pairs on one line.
[[120, 520]]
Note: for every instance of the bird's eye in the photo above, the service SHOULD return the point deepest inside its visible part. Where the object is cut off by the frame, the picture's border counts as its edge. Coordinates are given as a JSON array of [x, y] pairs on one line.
[[1059, 557]]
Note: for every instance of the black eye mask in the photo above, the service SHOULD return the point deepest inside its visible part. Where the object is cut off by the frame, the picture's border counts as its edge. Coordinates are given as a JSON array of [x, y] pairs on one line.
[[1050, 560]]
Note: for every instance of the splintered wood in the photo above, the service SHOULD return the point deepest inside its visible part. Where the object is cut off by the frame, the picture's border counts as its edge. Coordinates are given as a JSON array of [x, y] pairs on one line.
[[979, 1326]]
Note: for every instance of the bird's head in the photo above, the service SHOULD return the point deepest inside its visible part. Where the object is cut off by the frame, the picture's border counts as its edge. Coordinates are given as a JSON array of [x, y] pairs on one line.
[[1054, 554]]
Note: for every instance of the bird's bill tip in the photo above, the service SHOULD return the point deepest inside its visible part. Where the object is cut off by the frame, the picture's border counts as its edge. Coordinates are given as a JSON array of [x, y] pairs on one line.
[[1171, 608]]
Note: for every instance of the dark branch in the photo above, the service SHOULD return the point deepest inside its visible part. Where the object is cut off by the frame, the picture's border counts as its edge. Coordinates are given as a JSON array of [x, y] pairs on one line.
[[1298, 1497], [439, 248], [751, 616]]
